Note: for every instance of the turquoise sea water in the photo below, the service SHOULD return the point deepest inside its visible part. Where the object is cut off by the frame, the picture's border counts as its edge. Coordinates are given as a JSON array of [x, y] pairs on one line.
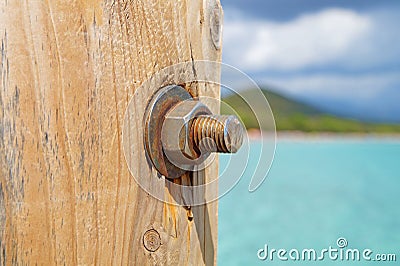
[[316, 192]]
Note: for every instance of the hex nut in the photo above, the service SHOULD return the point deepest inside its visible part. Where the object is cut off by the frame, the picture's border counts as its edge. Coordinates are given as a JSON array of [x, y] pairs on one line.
[[176, 131]]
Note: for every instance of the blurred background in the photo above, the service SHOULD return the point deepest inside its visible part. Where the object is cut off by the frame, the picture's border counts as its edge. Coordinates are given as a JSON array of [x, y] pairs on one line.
[[331, 73]]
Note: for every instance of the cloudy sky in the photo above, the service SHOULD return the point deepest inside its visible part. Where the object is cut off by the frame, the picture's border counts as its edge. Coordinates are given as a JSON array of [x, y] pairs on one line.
[[342, 56]]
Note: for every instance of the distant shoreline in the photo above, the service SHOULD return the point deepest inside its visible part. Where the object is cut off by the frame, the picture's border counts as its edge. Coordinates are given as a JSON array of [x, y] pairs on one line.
[[293, 116], [318, 136]]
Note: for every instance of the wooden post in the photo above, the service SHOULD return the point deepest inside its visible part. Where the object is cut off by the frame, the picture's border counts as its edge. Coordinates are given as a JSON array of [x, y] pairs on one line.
[[68, 70]]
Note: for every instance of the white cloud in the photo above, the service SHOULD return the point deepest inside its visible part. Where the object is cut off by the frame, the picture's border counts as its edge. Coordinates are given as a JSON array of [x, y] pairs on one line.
[[336, 57], [364, 96], [363, 87], [310, 40]]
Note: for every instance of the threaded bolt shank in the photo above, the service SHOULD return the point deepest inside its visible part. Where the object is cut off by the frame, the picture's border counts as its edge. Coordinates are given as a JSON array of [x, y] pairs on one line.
[[217, 133]]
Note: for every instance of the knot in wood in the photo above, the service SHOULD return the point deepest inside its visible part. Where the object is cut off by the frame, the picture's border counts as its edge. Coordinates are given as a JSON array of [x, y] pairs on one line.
[[216, 24], [151, 240]]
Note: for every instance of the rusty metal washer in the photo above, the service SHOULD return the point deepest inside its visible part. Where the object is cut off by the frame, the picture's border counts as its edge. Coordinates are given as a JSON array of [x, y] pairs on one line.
[[160, 104]]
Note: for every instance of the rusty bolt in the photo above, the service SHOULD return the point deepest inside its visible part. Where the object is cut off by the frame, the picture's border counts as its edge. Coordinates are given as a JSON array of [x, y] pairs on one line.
[[181, 132], [220, 133], [190, 133]]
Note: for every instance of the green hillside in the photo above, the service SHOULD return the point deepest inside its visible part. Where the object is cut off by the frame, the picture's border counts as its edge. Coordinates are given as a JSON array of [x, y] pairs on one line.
[[291, 115]]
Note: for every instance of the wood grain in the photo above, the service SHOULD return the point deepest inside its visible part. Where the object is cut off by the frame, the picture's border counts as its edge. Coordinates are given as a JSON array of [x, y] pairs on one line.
[[68, 71]]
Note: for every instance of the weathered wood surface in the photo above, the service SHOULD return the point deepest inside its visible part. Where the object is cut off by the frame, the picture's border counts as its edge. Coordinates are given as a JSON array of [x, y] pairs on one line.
[[68, 70]]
